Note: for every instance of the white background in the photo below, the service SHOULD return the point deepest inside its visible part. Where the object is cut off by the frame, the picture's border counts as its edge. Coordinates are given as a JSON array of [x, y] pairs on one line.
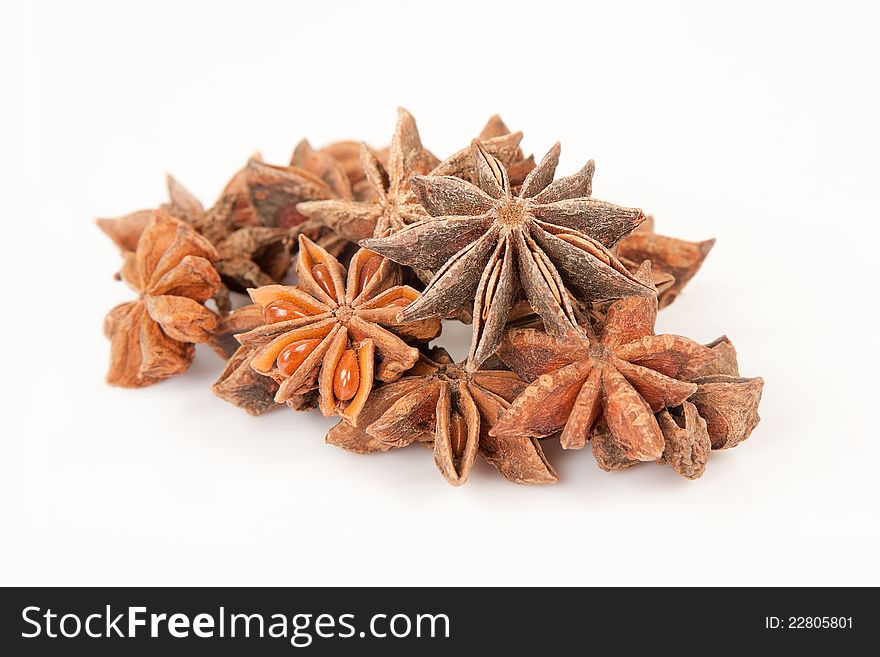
[[755, 123]]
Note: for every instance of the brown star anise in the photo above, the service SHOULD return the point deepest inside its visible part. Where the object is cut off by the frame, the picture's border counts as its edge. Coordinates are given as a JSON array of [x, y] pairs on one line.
[[247, 255], [625, 374], [727, 401], [453, 409], [393, 205], [152, 338], [676, 259], [719, 415], [486, 244], [334, 331]]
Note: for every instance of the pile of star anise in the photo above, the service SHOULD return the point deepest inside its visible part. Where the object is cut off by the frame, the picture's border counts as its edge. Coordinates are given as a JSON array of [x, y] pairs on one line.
[[562, 291]]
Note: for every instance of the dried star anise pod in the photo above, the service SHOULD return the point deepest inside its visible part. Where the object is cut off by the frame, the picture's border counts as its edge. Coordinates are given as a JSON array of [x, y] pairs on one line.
[[720, 414], [393, 206], [247, 255], [676, 259], [152, 338], [625, 374], [727, 401], [486, 244], [444, 404], [335, 331]]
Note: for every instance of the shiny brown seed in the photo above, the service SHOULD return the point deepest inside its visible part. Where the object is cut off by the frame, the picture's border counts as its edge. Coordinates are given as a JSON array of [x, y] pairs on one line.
[[347, 377], [322, 278], [283, 310], [293, 355], [371, 266]]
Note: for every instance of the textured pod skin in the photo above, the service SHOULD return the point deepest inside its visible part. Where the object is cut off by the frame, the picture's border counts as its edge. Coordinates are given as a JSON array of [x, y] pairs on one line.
[[152, 338], [487, 243]]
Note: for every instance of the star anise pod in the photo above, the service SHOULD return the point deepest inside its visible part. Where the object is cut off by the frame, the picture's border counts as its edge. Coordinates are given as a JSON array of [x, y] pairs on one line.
[[720, 414], [393, 205], [676, 259], [486, 244], [247, 255], [625, 375], [453, 409], [152, 338], [335, 331], [727, 401]]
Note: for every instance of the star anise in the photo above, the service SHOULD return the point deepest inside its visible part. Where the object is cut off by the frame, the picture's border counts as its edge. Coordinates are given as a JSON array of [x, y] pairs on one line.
[[486, 244], [334, 331], [247, 255], [152, 338], [625, 374], [452, 409], [676, 259], [719, 415], [727, 401], [393, 205]]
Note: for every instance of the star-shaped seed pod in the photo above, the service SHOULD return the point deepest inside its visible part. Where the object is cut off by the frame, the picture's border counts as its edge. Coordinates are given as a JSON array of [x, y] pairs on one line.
[[453, 409], [486, 244], [719, 415], [335, 331], [625, 375], [393, 205], [727, 401], [152, 338], [678, 260], [247, 255]]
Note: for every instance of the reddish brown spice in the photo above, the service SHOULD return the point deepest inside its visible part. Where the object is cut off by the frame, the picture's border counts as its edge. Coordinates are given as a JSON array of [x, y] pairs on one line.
[[346, 378], [294, 354], [371, 266], [283, 310], [562, 289], [322, 278]]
